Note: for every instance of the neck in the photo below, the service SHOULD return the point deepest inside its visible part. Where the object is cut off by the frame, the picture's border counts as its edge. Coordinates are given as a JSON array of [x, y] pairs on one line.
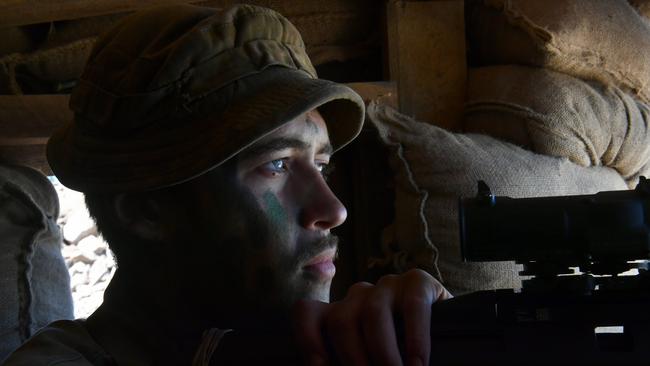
[[137, 321]]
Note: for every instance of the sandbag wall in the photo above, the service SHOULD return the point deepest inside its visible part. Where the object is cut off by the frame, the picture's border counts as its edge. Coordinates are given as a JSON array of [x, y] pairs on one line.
[[565, 78], [557, 104]]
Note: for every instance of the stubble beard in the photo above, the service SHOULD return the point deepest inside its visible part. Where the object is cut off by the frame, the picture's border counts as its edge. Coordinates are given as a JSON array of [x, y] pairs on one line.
[[267, 257]]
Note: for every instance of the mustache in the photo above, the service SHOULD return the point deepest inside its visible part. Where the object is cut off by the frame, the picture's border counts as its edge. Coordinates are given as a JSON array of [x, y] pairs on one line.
[[318, 246]]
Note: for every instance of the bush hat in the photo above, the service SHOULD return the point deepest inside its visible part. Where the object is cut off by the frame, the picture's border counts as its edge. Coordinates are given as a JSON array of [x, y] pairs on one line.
[[172, 92]]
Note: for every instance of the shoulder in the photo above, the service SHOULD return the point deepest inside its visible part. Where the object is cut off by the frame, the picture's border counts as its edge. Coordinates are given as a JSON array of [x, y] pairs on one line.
[[64, 342]]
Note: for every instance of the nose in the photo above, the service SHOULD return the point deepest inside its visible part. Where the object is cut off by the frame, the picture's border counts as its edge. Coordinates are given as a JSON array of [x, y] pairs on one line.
[[322, 210]]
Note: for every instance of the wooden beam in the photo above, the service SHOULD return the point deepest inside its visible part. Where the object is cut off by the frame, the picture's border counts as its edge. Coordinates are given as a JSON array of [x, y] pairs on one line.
[[27, 121], [23, 12], [426, 52], [385, 91]]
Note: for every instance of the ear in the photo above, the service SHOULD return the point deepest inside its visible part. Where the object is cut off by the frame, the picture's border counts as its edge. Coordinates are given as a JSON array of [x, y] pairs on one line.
[[141, 215]]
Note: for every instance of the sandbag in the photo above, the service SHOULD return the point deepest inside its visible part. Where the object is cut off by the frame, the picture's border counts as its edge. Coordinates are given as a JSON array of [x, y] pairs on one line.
[[34, 280], [434, 167], [604, 40], [555, 114], [49, 71]]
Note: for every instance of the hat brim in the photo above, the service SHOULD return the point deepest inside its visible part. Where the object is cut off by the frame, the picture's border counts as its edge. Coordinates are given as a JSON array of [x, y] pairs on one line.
[[158, 157]]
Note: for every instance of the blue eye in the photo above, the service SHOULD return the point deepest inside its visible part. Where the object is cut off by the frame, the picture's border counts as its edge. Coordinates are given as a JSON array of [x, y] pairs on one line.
[[277, 166], [325, 170]]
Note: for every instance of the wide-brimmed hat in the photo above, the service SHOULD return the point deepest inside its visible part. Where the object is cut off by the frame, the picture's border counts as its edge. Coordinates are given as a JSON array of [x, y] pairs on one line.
[[172, 92]]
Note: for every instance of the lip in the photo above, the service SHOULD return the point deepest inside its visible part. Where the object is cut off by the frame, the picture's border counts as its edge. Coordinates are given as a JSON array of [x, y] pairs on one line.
[[322, 265]]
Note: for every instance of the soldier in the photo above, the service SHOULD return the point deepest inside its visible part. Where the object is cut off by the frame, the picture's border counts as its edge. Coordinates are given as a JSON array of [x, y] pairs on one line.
[[199, 139]]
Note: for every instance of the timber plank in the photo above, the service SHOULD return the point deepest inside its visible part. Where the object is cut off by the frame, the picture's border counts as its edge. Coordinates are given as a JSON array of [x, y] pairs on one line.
[[24, 117], [23, 12], [427, 59], [26, 122]]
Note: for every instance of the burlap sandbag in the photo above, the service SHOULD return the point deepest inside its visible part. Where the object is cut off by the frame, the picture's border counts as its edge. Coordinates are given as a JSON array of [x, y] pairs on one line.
[[555, 114], [34, 280], [46, 71], [605, 40], [434, 167]]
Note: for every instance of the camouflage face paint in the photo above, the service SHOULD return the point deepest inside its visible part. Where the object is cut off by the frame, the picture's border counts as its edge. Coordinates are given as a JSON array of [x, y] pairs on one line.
[[274, 209]]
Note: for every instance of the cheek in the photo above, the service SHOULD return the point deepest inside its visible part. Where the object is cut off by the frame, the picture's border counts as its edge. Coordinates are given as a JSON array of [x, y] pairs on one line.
[[275, 210]]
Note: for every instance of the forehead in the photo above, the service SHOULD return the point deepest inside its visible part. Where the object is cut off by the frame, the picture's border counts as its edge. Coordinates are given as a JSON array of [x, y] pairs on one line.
[[309, 128]]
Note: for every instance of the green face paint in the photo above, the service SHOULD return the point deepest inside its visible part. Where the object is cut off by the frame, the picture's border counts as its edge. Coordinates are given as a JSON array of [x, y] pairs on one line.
[[274, 209]]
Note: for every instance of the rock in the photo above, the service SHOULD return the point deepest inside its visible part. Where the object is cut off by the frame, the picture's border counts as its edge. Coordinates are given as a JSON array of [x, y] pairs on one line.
[[78, 279], [69, 252], [90, 263], [70, 201], [84, 290], [97, 271], [78, 267], [92, 245], [81, 257], [77, 226]]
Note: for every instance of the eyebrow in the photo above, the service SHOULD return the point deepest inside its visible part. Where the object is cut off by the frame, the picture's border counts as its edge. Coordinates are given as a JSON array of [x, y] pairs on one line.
[[280, 143]]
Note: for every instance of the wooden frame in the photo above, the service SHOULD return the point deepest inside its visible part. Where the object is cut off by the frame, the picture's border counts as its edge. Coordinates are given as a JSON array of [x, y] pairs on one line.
[[24, 12]]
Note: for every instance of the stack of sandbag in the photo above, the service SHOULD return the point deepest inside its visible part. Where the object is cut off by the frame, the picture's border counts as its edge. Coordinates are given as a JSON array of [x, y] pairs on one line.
[[566, 78], [605, 40], [559, 115], [434, 167], [556, 105], [34, 280]]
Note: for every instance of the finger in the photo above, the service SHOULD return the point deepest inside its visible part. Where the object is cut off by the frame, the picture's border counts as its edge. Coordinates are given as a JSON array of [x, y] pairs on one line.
[[308, 316], [441, 293], [344, 333], [421, 290], [419, 293], [344, 327], [378, 325]]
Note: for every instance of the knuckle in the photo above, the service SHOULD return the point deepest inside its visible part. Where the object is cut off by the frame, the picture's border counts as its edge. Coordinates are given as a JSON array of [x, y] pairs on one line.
[[416, 301], [388, 280], [358, 288], [417, 274]]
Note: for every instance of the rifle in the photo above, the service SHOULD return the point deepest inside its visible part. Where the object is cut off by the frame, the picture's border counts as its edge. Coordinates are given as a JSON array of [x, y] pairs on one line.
[[574, 306]]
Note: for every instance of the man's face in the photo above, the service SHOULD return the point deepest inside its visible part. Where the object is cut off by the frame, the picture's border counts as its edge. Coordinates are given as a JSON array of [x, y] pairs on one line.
[[262, 223]]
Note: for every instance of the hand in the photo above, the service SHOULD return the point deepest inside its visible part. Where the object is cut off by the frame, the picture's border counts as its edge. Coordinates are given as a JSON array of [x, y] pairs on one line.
[[361, 328]]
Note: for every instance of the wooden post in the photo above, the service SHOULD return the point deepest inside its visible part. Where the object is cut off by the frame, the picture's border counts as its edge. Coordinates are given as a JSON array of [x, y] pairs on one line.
[[427, 59]]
